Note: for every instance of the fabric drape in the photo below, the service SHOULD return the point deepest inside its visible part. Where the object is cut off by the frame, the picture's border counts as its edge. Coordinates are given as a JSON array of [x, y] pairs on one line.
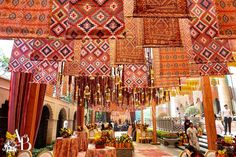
[[25, 105]]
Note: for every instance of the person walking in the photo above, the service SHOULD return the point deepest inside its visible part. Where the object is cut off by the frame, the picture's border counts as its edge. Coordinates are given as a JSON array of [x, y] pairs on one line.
[[219, 126], [186, 123], [227, 117], [192, 135]]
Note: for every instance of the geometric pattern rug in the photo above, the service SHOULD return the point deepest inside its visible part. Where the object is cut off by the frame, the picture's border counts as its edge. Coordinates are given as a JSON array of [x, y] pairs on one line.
[[25, 18], [95, 19], [130, 50], [204, 29], [160, 8], [161, 32], [52, 49], [226, 13], [59, 18], [95, 59], [43, 71], [135, 76]]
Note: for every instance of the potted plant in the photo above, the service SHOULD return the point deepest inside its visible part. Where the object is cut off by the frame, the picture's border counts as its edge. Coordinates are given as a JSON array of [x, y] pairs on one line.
[[65, 133]]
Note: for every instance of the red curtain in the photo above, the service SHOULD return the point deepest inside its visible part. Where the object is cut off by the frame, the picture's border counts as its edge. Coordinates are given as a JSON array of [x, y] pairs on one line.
[[25, 105]]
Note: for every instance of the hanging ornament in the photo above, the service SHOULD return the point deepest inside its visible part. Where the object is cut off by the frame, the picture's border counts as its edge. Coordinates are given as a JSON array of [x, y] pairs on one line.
[[86, 93]]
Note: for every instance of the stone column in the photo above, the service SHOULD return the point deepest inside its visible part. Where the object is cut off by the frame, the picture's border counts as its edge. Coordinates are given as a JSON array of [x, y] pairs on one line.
[[224, 93], [52, 130], [70, 124]]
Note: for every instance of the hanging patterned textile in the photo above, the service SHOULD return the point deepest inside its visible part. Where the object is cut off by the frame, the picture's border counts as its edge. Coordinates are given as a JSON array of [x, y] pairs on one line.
[[43, 71], [73, 68], [95, 59], [95, 19], [214, 69], [203, 31], [159, 81], [226, 13], [160, 8], [198, 69], [59, 18], [174, 62], [52, 49], [135, 76], [46, 72], [161, 32], [128, 8], [130, 50], [184, 25], [25, 18]]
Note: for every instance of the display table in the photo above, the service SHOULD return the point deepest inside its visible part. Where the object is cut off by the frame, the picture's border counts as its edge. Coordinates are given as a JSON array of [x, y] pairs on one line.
[[106, 152], [124, 152], [69, 147]]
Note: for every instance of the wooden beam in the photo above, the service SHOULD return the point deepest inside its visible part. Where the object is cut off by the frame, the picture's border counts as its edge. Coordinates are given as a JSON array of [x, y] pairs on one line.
[[209, 113]]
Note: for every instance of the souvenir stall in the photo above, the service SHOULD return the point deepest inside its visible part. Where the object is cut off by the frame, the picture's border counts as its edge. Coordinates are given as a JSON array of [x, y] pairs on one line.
[[118, 56]]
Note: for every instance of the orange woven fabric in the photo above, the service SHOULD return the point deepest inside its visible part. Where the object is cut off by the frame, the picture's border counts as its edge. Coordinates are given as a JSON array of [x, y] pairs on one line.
[[25, 18]]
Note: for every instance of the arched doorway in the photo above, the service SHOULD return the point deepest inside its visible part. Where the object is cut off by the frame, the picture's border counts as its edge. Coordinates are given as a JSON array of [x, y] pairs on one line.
[[4, 118], [60, 121], [75, 122], [41, 140]]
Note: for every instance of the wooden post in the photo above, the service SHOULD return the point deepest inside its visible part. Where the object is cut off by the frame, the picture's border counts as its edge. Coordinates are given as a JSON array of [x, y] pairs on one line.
[[93, 117], [209, 113], [154, 123], [142, 117]]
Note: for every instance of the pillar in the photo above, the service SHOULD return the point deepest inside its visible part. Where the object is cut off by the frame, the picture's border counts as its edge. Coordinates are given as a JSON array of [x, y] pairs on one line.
[[80, 115], [93, 117], [224, 93], [154, 122], [209, 113], [52, 130], [142, 117]]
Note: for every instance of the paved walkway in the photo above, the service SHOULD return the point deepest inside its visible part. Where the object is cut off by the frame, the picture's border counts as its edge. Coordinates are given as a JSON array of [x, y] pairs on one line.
[[148, 150]]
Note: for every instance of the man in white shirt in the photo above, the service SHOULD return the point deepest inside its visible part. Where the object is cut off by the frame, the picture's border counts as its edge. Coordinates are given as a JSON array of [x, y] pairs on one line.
[[227, 116]]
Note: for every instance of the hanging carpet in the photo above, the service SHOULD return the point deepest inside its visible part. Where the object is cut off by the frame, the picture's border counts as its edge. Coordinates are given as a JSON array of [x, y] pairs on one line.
[[160, 8], [43, 71], [52, 49], [135, 76], [95, 58], [161, 32], [95, 19], [226, 16], [59, 18], [25, 18], [203, 32], [130, 50], [73, 68]]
